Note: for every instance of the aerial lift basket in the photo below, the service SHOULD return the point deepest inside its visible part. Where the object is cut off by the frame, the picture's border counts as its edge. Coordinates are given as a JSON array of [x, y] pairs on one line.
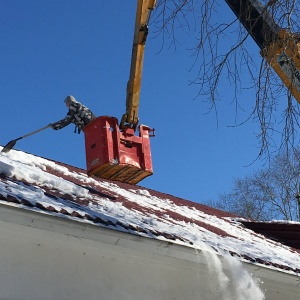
[[117, 155]]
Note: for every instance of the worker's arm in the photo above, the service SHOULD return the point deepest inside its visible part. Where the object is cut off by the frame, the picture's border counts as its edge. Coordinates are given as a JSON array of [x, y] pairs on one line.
[[63, 122]]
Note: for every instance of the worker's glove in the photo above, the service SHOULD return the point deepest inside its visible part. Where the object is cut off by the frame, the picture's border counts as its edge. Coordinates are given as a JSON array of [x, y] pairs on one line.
[[53, 126]]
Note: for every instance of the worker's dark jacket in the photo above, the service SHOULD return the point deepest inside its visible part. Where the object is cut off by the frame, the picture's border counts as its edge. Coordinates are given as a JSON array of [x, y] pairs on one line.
[[77, 114]]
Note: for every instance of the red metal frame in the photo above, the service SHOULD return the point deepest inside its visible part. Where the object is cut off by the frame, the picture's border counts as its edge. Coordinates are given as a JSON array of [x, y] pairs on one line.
[[115, 155]]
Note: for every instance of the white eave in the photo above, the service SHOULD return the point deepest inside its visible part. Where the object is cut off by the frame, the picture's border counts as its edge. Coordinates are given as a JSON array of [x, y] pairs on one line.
[[66, 243]]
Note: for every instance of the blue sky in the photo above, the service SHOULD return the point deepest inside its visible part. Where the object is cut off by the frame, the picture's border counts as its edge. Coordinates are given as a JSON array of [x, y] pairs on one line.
[[51, 49]]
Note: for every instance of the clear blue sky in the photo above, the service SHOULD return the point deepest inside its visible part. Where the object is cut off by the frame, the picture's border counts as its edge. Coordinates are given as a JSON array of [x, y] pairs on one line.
[[50, 49]]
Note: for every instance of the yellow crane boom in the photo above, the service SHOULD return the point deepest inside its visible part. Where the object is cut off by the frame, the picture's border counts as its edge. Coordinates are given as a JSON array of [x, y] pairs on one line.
[[143, 12], [279, 47]]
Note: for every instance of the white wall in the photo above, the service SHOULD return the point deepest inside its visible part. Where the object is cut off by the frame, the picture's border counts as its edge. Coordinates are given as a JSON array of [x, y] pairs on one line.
[[44, 257]]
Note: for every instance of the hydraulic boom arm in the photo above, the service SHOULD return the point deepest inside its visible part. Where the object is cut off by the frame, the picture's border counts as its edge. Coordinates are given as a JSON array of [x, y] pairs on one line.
[[130, 118], [279, 47]]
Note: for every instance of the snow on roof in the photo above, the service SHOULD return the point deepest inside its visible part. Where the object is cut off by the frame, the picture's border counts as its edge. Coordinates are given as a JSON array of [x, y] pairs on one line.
[[35, 183]]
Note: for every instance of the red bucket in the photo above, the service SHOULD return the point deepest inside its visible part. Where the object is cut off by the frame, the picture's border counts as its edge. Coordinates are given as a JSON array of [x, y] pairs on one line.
[[115, 155]]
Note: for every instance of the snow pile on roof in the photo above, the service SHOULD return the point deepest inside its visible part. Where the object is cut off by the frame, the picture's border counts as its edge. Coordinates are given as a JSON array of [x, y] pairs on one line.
[[50, 187]]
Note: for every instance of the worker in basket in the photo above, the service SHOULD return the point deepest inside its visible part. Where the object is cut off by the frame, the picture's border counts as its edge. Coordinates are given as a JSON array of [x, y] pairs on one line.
[[78, 114]]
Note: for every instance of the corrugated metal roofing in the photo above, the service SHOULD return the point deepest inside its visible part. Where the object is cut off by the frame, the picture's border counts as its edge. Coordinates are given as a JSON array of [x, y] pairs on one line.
[[35, 183], [286, 233]]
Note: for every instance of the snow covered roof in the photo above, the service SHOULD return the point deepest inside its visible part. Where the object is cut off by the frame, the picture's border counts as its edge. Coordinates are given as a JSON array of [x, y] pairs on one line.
[[46, 186]]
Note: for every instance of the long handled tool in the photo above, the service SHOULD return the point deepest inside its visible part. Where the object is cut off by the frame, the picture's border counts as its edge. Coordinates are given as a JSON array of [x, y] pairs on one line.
[[12, 143]]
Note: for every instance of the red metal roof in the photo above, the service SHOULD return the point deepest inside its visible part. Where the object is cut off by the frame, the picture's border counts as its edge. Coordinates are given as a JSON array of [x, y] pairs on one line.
[[152, 213], [287, 233]]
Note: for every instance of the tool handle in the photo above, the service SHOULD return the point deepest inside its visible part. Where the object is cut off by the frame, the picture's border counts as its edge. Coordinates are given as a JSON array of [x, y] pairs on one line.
[[34, 132]]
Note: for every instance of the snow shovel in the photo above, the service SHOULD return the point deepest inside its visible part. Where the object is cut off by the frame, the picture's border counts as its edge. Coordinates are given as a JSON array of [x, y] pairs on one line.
[[12, 143]]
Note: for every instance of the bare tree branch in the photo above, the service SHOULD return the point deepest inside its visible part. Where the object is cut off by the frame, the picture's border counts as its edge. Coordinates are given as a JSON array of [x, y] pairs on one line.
[[221, 51]]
